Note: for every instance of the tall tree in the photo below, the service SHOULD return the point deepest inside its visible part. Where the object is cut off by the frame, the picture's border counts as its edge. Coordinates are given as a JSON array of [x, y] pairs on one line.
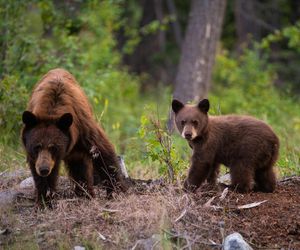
[[198, 50]]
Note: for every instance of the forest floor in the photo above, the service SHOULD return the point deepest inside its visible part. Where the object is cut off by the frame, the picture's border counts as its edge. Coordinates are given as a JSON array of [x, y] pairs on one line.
[[161, 217]]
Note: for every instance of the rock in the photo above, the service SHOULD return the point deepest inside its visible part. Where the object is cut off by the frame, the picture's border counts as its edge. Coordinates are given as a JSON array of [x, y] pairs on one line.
[[235, 241], [79, 248], [147, 244], [123, 166], [8, 197], [225, 179], [27, 183], [18, 174]]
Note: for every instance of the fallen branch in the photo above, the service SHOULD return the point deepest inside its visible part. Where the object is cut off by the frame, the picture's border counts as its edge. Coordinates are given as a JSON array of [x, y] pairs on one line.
[[251, 205]]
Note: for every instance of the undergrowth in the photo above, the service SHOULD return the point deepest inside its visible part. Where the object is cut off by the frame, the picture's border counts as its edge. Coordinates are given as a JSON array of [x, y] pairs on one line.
[[135, 121]]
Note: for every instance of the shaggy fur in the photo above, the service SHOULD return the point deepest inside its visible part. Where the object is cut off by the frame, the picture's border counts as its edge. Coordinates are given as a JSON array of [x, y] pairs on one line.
[[248, 146], [59, 125]]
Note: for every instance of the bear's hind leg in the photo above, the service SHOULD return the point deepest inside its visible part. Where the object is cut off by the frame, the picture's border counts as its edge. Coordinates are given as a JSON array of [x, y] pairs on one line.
[[242, 177], [265, 179]]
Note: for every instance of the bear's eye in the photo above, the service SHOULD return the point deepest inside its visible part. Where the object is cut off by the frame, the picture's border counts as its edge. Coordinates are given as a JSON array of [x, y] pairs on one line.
[[37, 148], [195, 123], [52, 149], [183, 122]]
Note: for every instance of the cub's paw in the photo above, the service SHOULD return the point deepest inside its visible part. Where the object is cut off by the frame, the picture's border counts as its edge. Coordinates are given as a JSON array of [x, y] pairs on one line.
[[188, 187]]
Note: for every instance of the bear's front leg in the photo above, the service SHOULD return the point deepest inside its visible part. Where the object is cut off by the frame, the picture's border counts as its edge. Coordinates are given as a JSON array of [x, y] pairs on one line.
[[43, 185], [198, 172]]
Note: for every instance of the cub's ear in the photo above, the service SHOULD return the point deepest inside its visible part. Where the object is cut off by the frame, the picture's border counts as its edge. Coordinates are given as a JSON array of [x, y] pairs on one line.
[[177, 106], [65, 121], [204, 105], [29, 119]]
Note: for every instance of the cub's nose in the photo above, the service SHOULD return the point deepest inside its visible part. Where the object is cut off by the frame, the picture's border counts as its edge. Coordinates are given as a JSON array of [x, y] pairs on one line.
[[188, 135], [44, 171]]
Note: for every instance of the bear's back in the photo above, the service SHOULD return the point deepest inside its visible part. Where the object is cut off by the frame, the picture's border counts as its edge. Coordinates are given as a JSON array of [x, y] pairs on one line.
[[242, 125], [58, 93], [242, 137]]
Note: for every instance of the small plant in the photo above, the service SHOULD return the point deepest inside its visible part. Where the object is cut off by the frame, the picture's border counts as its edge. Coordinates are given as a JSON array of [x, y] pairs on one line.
[[160, 146]]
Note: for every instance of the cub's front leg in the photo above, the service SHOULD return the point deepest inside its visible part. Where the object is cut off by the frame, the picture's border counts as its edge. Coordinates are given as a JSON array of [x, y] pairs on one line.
[[198, 172]]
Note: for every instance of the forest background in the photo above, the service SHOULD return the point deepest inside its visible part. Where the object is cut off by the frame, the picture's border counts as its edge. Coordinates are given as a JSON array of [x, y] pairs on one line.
[[126, 56]]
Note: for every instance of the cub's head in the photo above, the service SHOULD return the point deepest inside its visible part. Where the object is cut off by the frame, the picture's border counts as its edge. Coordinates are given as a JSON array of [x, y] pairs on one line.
[[46, 141], [191, 120]]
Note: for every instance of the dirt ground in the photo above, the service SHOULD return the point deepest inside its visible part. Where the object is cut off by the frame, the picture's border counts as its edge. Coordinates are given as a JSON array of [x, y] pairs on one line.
[[160, 217]]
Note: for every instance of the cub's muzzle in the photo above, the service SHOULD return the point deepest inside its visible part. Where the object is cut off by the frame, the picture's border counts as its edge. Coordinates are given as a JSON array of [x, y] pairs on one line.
[[189, 132]]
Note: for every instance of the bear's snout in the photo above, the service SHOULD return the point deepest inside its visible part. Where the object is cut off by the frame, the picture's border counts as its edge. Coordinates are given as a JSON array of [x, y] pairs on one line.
[[44, 163], [189, 132], [188, 135], [44, 171]]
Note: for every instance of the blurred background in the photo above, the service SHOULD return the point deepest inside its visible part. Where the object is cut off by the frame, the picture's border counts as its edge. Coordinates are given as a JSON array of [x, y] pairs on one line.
[[132, 57]]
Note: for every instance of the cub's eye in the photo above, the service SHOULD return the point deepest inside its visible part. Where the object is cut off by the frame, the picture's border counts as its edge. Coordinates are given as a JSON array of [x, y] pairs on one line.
[[183, 123], [52, 148], [195, 123], [37, 148]]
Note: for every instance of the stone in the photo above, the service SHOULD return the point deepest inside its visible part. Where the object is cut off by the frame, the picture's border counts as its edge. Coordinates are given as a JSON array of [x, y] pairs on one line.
[[235, 241], [27, 183], [8, 197], [225, 179], [79, 248], [147, 244]]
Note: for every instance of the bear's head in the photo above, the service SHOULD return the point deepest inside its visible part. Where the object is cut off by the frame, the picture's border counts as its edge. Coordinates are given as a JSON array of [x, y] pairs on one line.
[[191, 120], [46, 140]]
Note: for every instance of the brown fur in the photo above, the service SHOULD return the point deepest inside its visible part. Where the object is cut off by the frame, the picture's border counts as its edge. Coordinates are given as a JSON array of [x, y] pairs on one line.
[[59, 125], [248, 146]]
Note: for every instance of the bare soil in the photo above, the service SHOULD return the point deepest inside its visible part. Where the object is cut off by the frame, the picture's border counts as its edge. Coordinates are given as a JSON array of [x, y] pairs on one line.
[[171, 217]]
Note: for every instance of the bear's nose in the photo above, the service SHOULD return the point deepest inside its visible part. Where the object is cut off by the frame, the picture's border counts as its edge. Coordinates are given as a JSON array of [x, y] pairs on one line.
[[188, 135], [44, 171]]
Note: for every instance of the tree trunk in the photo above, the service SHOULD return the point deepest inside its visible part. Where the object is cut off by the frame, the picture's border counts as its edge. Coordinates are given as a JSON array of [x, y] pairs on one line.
[[198, 50], [246, 27]]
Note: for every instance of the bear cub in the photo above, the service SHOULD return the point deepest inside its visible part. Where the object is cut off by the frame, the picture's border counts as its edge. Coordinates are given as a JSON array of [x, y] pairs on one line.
[[248, 146]]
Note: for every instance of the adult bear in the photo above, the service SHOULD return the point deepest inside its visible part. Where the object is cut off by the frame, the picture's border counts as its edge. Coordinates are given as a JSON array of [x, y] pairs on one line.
[[59, 125]]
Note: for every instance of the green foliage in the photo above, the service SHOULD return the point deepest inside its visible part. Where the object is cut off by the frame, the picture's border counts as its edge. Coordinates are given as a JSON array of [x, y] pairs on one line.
[[290, 33], [288, 40], [12, 100], [160, 145]]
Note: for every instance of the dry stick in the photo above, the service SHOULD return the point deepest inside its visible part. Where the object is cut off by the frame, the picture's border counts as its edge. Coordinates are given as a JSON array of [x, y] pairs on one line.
[[82, 188]]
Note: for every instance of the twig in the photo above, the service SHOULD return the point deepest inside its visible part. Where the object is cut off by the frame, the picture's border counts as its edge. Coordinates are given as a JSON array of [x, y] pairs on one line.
[[224, 193], [181, 215], [208, 203], [251, 205]]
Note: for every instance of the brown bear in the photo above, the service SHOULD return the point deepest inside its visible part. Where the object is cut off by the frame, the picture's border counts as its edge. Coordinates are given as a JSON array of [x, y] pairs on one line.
[[248, 146], [59, 126]]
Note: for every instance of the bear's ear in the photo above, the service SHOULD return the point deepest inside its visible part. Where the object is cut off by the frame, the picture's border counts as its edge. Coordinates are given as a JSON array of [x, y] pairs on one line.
[[204, 105], [29, 119], [65, 121], [177, 106]]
